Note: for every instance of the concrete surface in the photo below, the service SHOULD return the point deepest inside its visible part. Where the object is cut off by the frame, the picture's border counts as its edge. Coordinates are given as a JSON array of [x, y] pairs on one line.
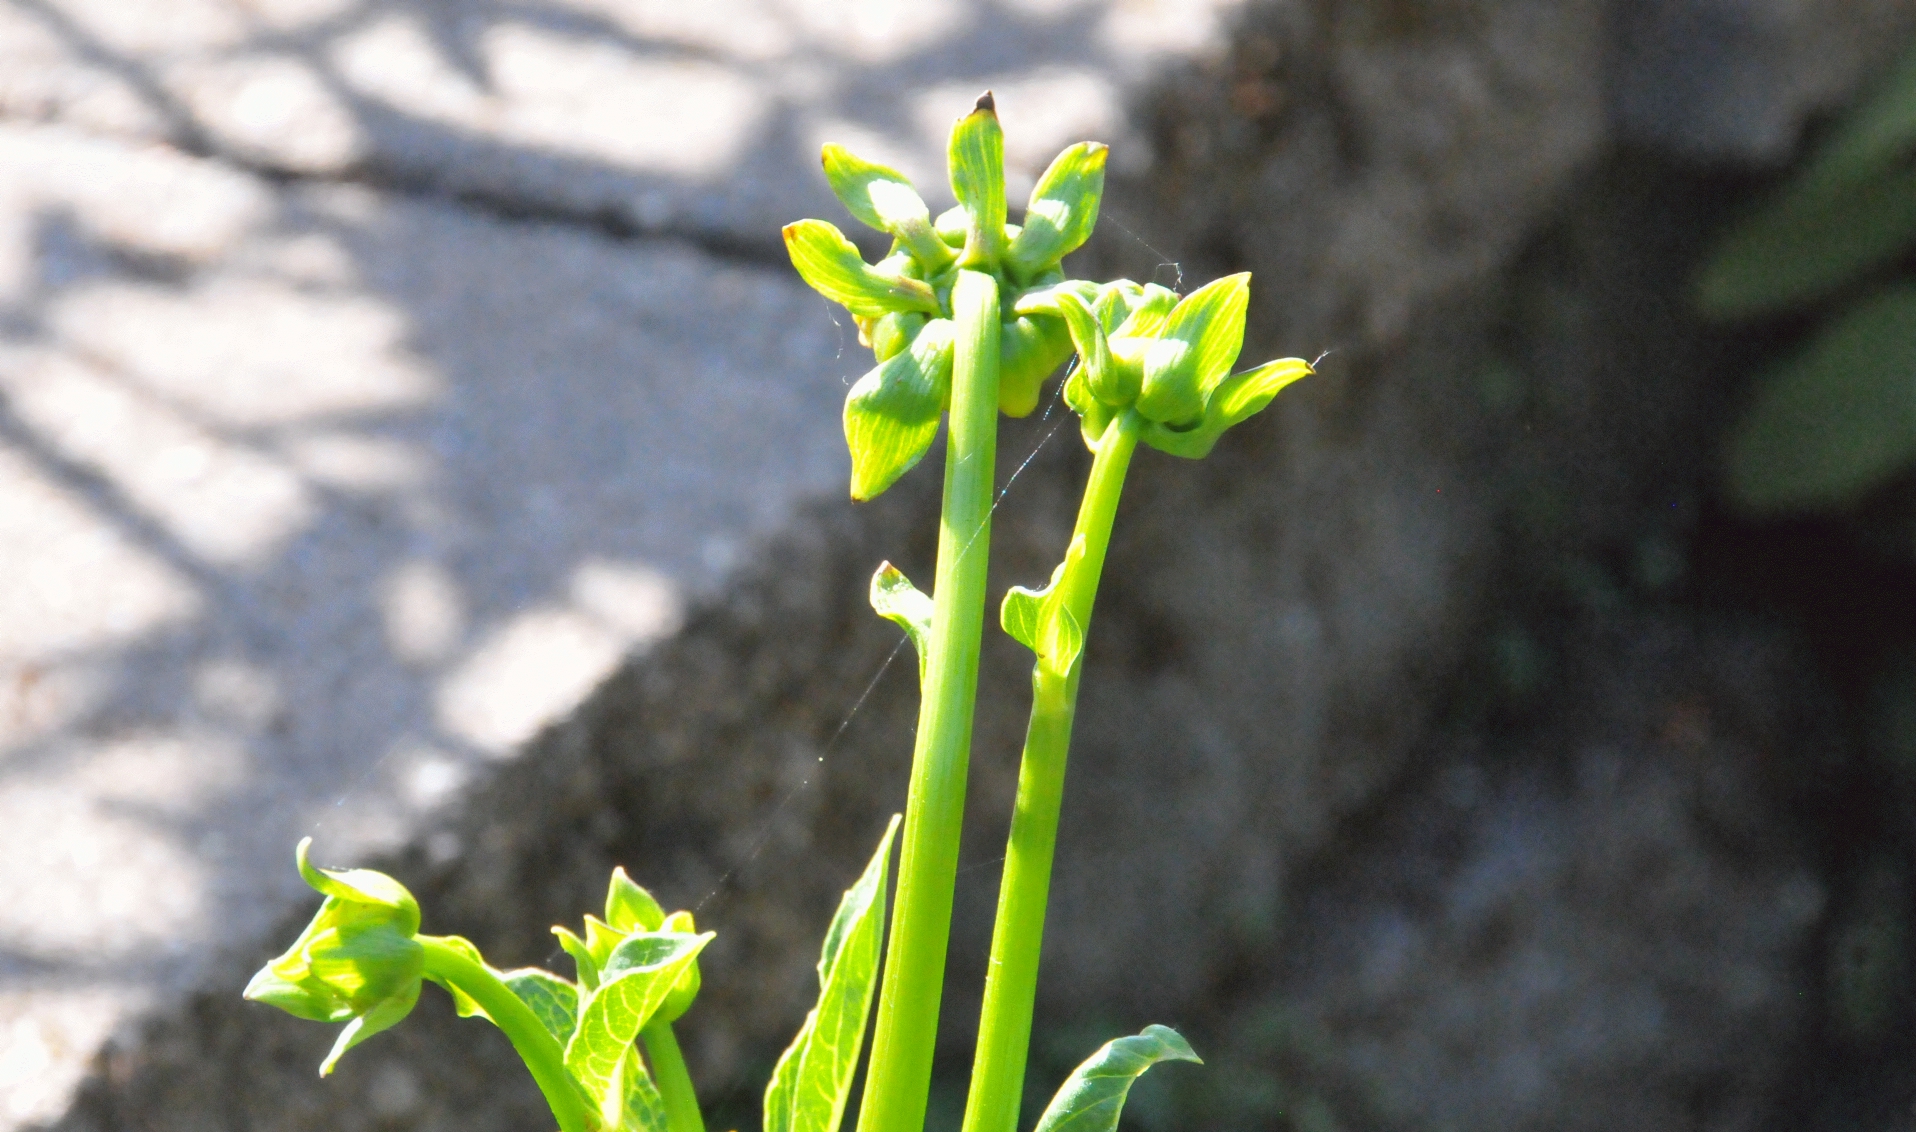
[[660, 116], [314, 503]]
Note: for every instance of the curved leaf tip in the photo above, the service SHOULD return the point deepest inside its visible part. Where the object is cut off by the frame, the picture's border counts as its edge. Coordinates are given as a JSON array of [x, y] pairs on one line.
[[1091, 1099]]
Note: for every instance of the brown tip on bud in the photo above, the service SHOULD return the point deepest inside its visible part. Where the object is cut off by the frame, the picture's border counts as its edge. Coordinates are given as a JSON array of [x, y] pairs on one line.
[[987, 103]]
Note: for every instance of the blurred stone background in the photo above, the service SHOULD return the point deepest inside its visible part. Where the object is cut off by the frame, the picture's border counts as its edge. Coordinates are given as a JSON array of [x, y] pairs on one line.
[[410, 436]]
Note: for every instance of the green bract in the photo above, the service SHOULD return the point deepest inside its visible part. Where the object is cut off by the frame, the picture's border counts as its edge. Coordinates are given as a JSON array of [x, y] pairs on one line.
[[894, 598], [832, 265], [1062, 211], [1042, 622], [891, 414], [356, 962], [882, 198]]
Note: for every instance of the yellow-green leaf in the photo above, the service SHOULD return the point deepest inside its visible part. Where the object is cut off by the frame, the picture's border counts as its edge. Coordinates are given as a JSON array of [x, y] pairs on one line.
[[1236, 399], [1093, 1096], [385, 1015], [882, 198], [1211, 320], [832, 266], [977, 163], [1062, 211], [1040, 619], [633, 983], [895, 599], [813, 1079], [1143, 312], [1030, 350], [630, 908], [891, 414], [552, 999], [644, 1106]]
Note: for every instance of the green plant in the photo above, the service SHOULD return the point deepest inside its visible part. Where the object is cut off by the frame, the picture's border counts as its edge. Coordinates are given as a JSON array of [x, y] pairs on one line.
[[967, 315], [1837, 418]]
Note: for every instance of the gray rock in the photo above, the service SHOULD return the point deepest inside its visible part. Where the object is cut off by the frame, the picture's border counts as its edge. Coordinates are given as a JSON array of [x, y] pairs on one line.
[[1602, 921], [1736, 80]]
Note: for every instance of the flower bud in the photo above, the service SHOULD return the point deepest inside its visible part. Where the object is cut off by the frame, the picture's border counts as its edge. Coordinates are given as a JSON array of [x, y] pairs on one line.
[[629, 908], [891, 334], [356, 962], [977, 164], [1030, 350]]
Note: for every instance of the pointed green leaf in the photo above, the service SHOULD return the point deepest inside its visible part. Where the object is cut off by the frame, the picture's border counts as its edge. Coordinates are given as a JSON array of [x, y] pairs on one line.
[[977, 161], [687, 988], [891, 414], [1022, 614], [1811, 239], [1039, 620], [884, 199], [1063, 642], [630, 908], [813, 1079], [1093, 1096], [1237, 398], [1094, 415], [1241, 396], [1105, 377], [876, 195], [634, 982], [1146, 309], [462, 1002], [384, 1016], [832, 266], [1168, 390], [601, 938], [891, 335], [554, 1000], [895, 599], [1211, 320], [295, 997], [1063, 209], [1836, 420], [1194, 351], [586, 966]]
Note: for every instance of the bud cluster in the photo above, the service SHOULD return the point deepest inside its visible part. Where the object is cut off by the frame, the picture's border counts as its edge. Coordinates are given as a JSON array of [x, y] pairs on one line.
[[1141, 348]]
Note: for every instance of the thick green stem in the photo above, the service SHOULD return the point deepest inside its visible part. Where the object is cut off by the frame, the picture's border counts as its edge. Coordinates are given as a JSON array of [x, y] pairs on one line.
[[675, 1084], [1011, 981], [536, 1046], [899, 1080]]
